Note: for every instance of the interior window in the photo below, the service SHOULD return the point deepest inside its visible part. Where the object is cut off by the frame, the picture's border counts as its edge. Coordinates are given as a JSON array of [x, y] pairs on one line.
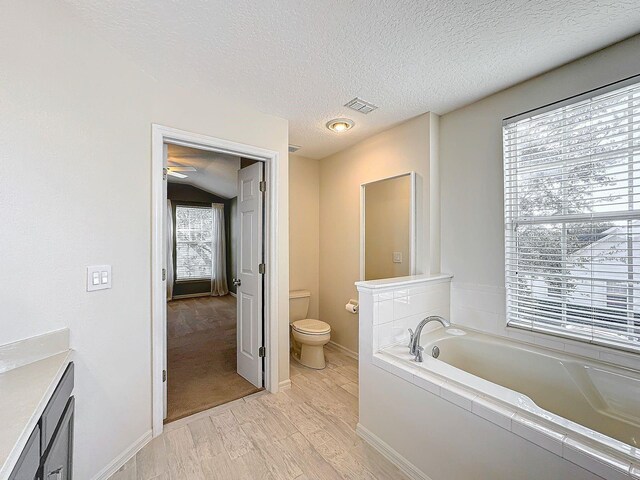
[[193, 242], [572, 217]]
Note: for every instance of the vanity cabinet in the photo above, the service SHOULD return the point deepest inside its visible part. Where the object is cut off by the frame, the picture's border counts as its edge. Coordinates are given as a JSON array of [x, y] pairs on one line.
[[29, 462], [48, 454], [57, 461]]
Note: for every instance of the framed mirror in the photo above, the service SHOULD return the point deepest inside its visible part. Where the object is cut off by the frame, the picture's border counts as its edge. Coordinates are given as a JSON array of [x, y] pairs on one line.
[[388, 227]]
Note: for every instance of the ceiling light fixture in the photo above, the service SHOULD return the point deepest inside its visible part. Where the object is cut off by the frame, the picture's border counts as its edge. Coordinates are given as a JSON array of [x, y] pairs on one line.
[[340, 125]]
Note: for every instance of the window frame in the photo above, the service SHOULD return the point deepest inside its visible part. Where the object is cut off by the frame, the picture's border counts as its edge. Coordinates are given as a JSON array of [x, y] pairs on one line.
[[604, 337], [185, 204]]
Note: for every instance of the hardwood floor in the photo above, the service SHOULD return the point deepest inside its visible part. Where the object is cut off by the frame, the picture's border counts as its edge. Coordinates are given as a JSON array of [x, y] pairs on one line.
[[201, 356], [305, 432]]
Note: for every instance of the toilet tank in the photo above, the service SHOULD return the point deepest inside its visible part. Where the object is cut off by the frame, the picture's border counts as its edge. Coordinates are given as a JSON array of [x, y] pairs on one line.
[[298, 304]]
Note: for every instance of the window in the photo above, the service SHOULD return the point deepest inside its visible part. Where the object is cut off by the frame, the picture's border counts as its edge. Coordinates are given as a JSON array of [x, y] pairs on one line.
[[193, 242], [572, 217]]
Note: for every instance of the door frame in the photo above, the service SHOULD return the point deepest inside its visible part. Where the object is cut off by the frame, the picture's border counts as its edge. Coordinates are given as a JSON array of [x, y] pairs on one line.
[[159, 136]]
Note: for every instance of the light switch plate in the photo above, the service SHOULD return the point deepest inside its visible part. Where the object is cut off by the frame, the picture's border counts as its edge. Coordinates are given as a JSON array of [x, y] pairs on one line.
[[98, 277], [397, 257]]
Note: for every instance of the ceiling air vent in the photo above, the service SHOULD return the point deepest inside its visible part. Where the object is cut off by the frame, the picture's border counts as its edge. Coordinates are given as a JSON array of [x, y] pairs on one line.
[[294, 148], [361, 106]]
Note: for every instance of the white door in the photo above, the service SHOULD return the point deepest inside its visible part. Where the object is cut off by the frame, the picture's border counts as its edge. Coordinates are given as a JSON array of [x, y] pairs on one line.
[[249, 278]]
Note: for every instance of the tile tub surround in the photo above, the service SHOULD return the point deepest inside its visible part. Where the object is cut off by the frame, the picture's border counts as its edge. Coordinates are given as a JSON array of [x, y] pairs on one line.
[[379, 329], [39, 363], [404, 304], [482, 308]]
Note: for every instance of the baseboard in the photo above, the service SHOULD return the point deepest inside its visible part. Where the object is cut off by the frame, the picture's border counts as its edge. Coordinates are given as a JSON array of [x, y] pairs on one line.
[[390, 454], [284, 385], [123, 458], [345, 350], [233, 294]]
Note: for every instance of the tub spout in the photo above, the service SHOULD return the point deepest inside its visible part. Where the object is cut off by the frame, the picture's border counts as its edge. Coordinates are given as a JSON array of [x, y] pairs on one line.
[[414, 339]]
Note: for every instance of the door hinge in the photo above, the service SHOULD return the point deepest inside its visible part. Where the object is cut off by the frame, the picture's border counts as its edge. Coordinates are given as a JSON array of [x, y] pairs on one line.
[[164, 375], [164, 274], [262, 352], [164, 173], [261, 268], [263, 186]]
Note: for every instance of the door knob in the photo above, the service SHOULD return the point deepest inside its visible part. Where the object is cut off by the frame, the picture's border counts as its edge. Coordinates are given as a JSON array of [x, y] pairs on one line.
[[237, 282]]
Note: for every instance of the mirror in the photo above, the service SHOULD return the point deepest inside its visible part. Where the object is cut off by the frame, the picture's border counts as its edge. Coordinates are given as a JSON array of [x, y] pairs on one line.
[[388, 227]]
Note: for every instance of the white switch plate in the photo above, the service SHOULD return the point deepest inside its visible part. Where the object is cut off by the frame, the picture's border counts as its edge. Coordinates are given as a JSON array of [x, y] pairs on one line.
[[397, 257], [98, 277]]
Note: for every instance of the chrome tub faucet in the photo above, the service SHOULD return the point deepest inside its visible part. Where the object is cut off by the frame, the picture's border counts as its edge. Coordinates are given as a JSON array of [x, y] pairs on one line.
[[414, 338]]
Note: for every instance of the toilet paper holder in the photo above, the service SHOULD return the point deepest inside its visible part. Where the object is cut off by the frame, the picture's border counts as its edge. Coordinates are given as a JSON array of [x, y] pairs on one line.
[[352, 306]]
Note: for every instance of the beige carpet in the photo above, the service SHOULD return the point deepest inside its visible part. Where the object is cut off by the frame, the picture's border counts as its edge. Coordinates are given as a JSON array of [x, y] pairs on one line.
[[201, 361]]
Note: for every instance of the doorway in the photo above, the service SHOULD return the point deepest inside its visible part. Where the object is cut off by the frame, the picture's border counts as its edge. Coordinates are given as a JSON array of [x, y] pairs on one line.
[[214, 219], [205, 328]]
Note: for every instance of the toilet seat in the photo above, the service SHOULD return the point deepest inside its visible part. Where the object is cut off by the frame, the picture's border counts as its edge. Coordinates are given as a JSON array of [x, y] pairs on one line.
[[311, 326]]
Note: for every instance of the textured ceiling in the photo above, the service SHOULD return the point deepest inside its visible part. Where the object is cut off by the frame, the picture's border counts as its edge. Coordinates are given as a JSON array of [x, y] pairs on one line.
[[303, 59], [215, 173]]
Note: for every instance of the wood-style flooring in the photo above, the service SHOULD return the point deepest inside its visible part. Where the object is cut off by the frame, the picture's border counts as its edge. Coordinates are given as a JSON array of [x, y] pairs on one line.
[[305, 432], [201, 356]]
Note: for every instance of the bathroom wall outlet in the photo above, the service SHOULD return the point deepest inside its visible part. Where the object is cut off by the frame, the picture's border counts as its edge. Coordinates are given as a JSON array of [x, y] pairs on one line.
[[397, 257], [98, 277]]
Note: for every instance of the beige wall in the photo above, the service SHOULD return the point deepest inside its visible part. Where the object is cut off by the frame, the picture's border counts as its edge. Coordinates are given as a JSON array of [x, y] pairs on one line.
[[387, 228], [404, 148], [75, 132], [304, 224]]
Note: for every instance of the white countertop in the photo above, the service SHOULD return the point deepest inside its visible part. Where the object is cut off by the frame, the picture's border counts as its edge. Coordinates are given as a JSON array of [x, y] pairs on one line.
[[24, 394]]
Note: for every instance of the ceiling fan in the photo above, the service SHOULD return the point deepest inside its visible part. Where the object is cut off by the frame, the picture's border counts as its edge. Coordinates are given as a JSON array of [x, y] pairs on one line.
[[176, 171]]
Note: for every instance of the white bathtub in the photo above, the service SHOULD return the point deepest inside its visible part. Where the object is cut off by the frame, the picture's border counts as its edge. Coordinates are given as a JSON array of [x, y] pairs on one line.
[[583, 403]]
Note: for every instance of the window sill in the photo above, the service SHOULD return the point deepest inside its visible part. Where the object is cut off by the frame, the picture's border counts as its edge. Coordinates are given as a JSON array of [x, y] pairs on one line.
[[576, 339]]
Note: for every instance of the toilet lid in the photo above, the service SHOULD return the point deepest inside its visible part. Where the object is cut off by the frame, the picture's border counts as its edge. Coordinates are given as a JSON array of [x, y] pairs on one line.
[[312, 326]]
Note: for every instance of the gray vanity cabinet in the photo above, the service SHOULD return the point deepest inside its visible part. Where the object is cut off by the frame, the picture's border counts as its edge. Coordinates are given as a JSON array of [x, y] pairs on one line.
[[29, 461], [48, 454], [57, 462]]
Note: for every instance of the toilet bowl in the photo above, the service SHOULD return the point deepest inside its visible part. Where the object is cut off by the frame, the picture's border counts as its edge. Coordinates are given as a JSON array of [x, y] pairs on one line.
[[309, 336]]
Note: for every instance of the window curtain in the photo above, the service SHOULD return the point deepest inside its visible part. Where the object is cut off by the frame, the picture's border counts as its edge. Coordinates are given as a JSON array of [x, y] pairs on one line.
[[170, 235], [218, 253]]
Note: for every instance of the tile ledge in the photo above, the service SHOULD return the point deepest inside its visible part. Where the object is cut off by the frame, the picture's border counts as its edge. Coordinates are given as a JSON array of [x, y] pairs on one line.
[[392, 283]]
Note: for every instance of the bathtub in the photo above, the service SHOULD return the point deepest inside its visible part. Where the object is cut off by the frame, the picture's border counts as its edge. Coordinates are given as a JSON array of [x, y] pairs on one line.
[[578, 402]]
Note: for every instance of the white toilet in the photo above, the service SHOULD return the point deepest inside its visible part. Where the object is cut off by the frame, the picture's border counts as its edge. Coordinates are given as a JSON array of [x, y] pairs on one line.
[[309, 335]]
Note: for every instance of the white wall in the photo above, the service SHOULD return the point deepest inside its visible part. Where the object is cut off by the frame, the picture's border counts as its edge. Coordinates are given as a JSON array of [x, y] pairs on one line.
[[472, 182], [304, 225], [402, 149], [75, 136]]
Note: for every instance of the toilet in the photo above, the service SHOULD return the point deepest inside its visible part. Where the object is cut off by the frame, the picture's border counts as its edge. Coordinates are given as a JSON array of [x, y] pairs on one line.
[[309, 335]]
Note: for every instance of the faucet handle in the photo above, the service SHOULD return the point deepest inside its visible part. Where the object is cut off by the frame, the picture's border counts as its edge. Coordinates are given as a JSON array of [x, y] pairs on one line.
[[411, 335], [419, 350]]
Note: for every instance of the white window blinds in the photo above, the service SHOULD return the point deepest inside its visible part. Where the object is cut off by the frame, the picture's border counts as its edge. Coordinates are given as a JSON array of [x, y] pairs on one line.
[[572, 217], [194, 227]]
